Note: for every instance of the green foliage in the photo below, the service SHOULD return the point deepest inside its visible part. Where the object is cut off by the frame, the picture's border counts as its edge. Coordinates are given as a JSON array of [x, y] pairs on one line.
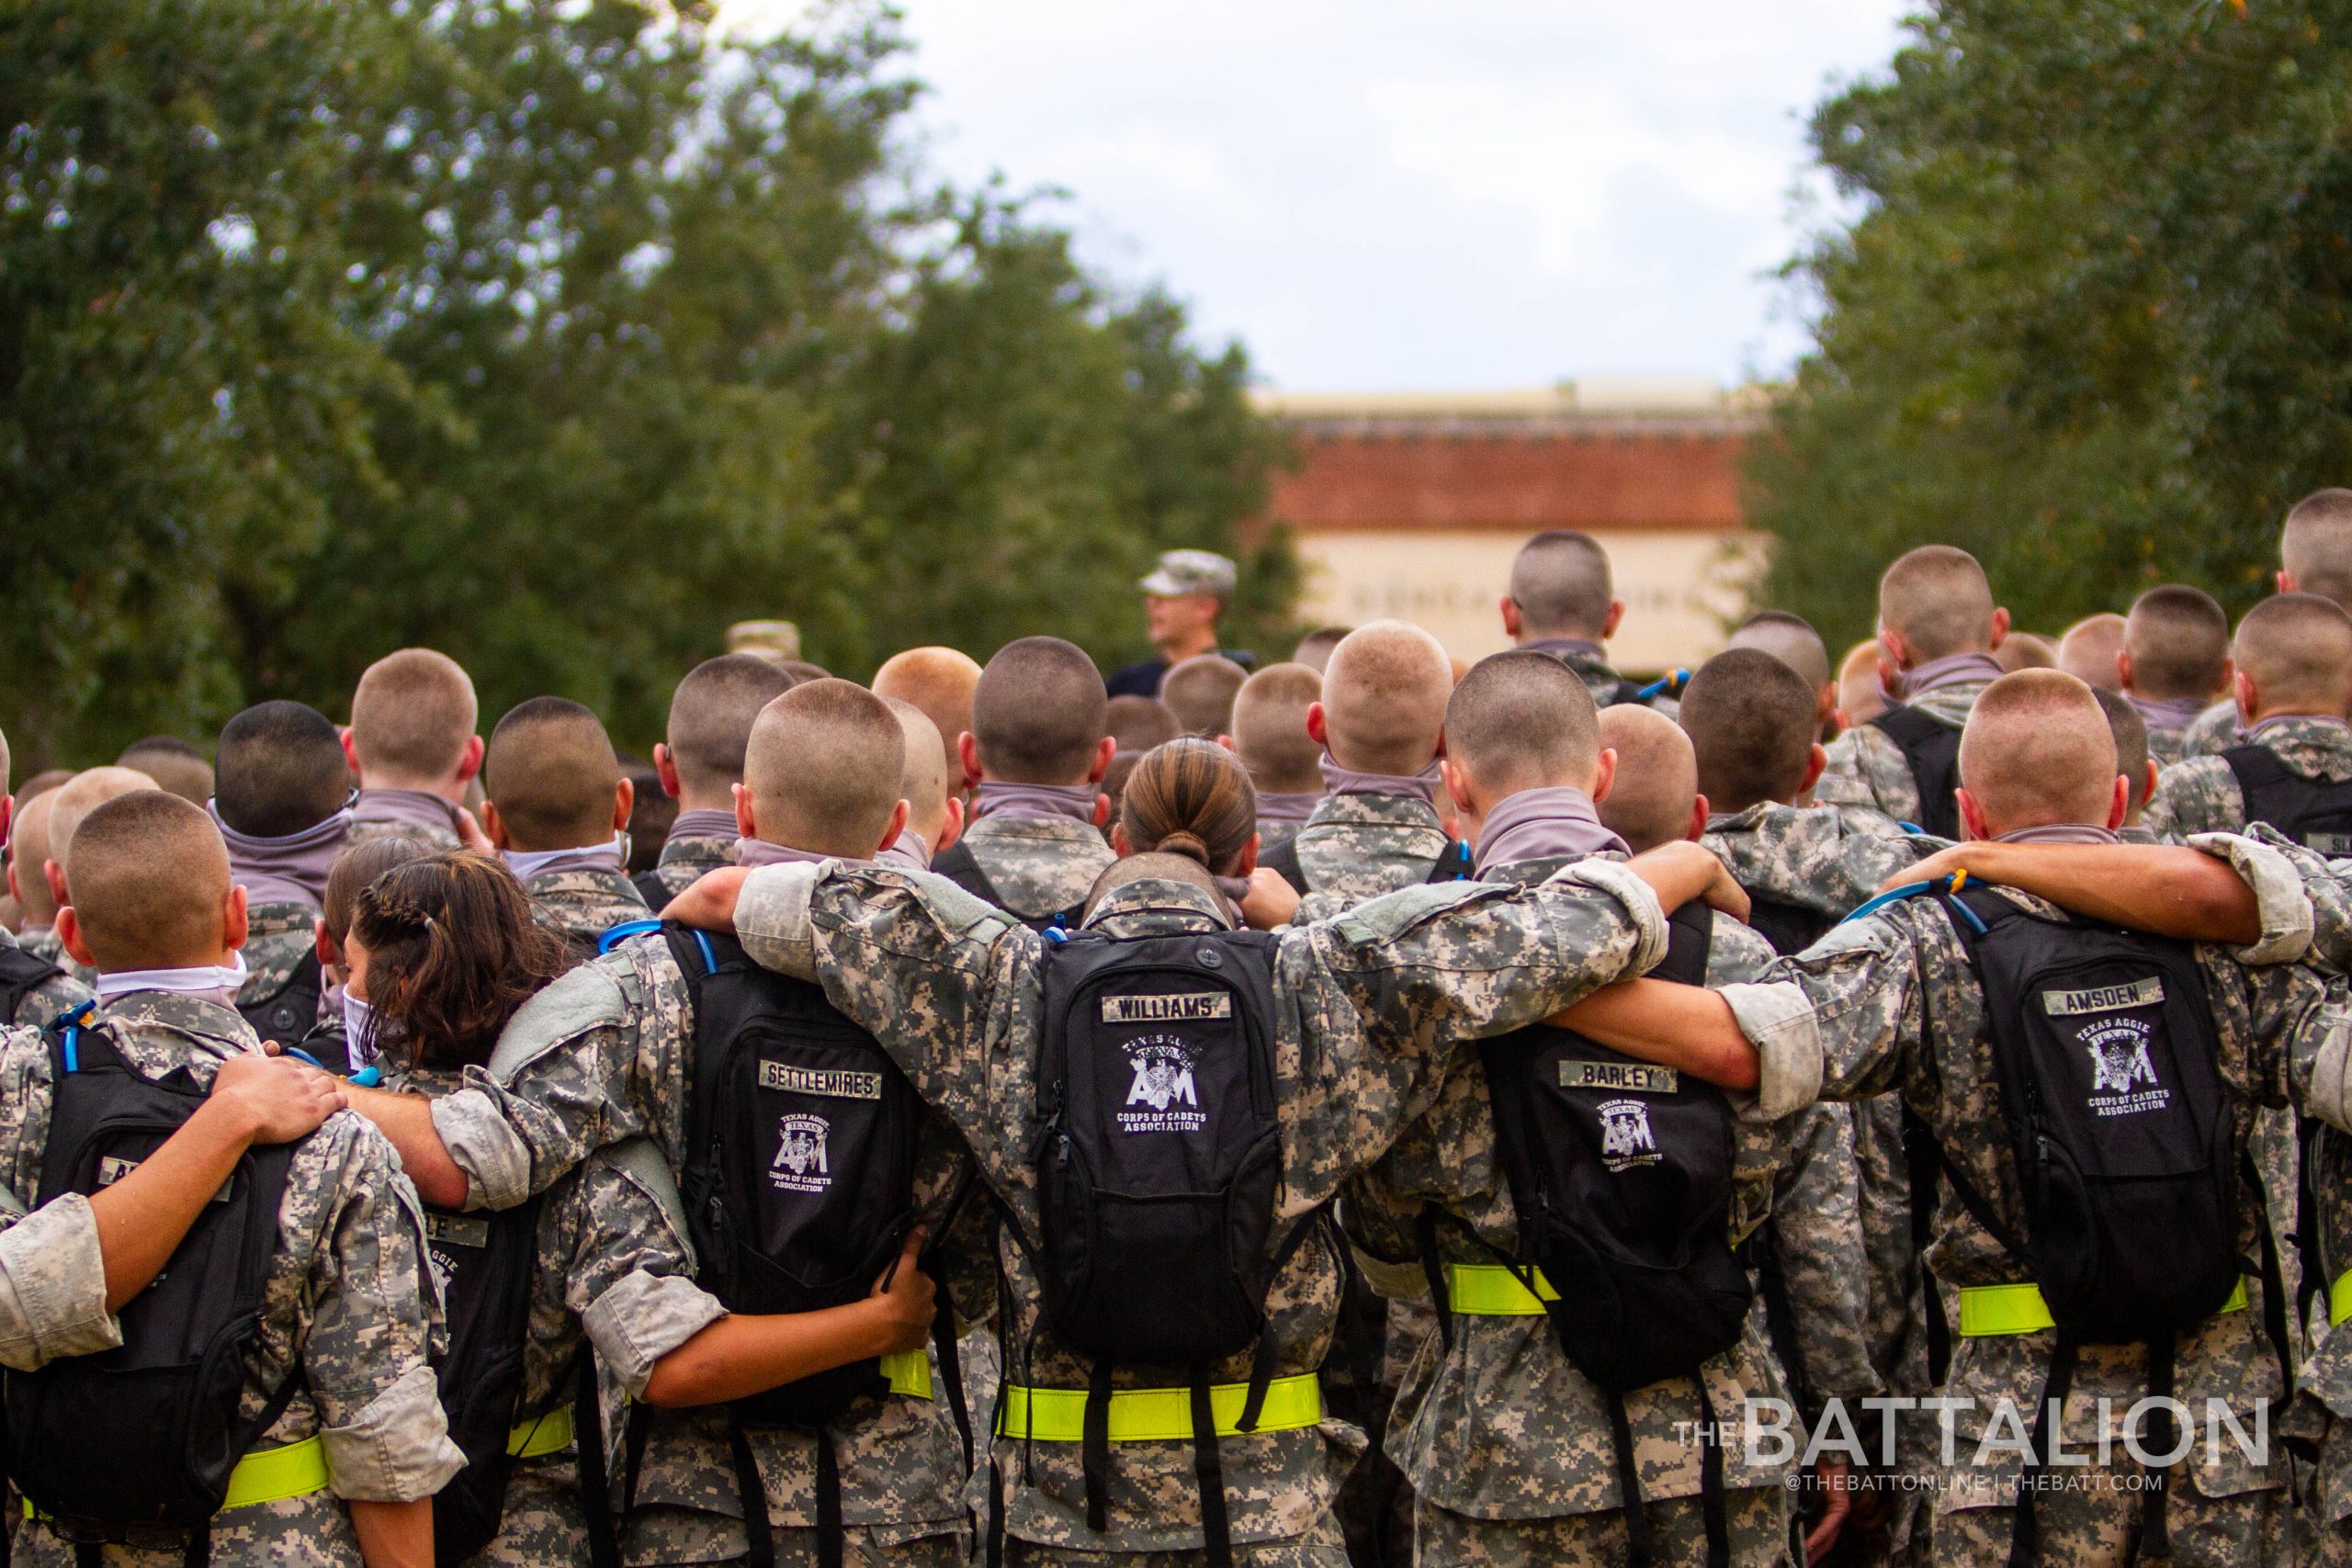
[[557, 334], [2091, 323]]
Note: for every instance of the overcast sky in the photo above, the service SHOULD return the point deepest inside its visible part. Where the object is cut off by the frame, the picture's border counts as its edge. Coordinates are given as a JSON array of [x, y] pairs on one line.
[[1413, 196]]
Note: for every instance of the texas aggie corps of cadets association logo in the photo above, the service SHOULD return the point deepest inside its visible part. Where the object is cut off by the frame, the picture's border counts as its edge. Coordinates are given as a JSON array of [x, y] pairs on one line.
[[800, 1162], [2123, 1074], [1160, 1095], [1625, 1137]]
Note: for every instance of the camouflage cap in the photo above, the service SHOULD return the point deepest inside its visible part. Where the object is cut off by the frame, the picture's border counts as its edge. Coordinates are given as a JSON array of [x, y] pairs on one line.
[[1190, 571]]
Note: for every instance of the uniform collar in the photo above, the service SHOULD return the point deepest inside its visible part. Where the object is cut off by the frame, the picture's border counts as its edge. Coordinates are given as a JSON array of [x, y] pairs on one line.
[[1180, 905]]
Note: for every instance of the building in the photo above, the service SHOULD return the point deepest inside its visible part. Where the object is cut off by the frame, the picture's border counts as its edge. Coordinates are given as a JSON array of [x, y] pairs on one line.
[[1412, 506]]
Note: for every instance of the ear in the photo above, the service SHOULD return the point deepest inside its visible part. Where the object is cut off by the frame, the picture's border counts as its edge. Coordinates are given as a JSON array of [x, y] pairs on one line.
[[2119, 802], [951, 825], [1102, 809], [234, 926], [2148, 786], [322, 943], [1894, 652], [1317, 729], [1824, 708], [1121, 845], [898, 826], [2229, 673], [1971, 816], [1512, 621], [15, 891], [1697, 820], [469, 760], [7, 815], [2249, 696], [1247, 862], [493, 826], [2000, 625], [1605, 775], [54, 875], [665, 764], [1104, 750], [350, 751], [1608, 622], [68, 934], [2286, 581], [967, 753], [743, 823], [1457, 783], [2122, 670], [624, 802], [1815, 760], [1226, 741]]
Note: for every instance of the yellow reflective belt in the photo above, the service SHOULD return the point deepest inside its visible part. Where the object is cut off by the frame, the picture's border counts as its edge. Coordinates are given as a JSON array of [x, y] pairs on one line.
[[1156, 1414], [2020, 1309], [2339, 1299], [271, 1475], [1489, 1290], [550, 1434], [909, 1372]]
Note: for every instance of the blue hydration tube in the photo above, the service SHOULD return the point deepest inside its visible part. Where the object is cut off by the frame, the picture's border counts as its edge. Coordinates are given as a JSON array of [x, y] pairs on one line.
[[1953, 884], [1670, 685]]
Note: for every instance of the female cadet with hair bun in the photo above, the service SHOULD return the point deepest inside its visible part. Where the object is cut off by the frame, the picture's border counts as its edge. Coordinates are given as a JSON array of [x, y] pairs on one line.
[[1193, 798]]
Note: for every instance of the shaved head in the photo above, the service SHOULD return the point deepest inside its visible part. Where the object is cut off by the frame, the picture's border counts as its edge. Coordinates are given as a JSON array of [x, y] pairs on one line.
[[1154, 867], [710, 720], [175, 766], [1138, 723], [1560, 582], [1039, 712], [1937, 597], [2037, 750], [824, 769], [1314, 649], [82, 795], [1656, 787], [1750, 720], [2316, 546], [410, 719], [940, 681], [2178, 641], [1199, 693], [42, 783], [2088, 651], [2130, 733], [1860, 693], [1789, 639], [2024, 650], [28, 851], [2297, 649], [281, 771], [1270, 729], [922, 777], [551, 773], [1383, 698], [1523, 720], [151, 880]]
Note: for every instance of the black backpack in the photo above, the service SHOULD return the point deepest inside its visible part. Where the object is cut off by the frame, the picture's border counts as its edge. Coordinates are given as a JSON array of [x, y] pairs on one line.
[[483, 1262], [1452, 864], [653, 889], [2315, 813], [142, 1438], [1159, 1171], [1790, 928], [2122, 1137], [1932, 749], [19, 973], [798, 1184], [960, 866], [1621, 1178], [289, 1013]]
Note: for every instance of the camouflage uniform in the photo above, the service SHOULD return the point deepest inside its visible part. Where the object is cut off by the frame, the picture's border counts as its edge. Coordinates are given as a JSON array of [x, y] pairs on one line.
[[1868, 771], [1366, 1009], [278, 938], [1891, 1002], [1505, 1443], [59, 994], [604, 1054], [699, 840], [50, 947], [584, 903], [348, 1302], [1590, 662], [1354, 847], [1819, 858], [2201, 796], [2215, 731], [405, 814], [1037, 864]]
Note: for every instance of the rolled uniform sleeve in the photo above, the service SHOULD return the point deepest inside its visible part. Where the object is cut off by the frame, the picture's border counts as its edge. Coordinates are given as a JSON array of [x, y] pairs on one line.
[[631, 1281], [1777, 1018], [53, 1287], [2290, 886]]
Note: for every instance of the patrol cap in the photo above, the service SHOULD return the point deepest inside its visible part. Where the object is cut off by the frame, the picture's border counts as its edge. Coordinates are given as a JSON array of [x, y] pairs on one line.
[[1180, 572]]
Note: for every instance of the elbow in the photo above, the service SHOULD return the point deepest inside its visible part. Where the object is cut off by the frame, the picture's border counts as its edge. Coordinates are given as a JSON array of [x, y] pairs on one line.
[[441, 1186], [1740, 1069], [678, 1383]]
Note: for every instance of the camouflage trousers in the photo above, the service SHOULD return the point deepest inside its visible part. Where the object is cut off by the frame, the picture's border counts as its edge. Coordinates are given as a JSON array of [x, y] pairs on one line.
[[310, 1529], [672, 1538], [2324, 1536], [1321, 1547], [1759, 1517], [2098, 1527], [540, 1524]]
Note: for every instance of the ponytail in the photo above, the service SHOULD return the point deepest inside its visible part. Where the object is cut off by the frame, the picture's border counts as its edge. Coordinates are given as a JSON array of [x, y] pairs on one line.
[[1190, 797], [454, 948]]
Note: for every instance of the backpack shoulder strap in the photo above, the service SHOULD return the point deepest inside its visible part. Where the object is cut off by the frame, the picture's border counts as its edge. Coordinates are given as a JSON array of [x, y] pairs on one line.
[[1689, 939], [1907, 726], [19, 973], [2260, 774], [1283, 860], [651, 888]]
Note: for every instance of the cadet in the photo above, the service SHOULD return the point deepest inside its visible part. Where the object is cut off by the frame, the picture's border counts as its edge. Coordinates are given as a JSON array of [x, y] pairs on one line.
[[1136, 725], [1314, 649], [701, 763], [343, 1027], [2293, 769], [1284, 761], [1791, 640], [76, 798], [2089, 1297], [661, 1037], [940, 681], [33, 989], [412, 742], [1561, 602], [175, 766], [1038, 745], [935, 817], [2314, 557], [1936, 630], [315, 1260], [1200, 692], [2176, 655], [557, 811], [2130, 732], [1378, 721], [1861, 694], [282, 800], [1183, 598], [2090, 650], [1353, 1015], [27, 884]]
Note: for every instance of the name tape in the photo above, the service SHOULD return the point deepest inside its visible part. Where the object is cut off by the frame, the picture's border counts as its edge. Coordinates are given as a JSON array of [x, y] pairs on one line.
[[2335, 846], [114, 1168], [2104, 999], [1173, 1009], [457, 1230], [1620, 1077], [831, 1083]]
